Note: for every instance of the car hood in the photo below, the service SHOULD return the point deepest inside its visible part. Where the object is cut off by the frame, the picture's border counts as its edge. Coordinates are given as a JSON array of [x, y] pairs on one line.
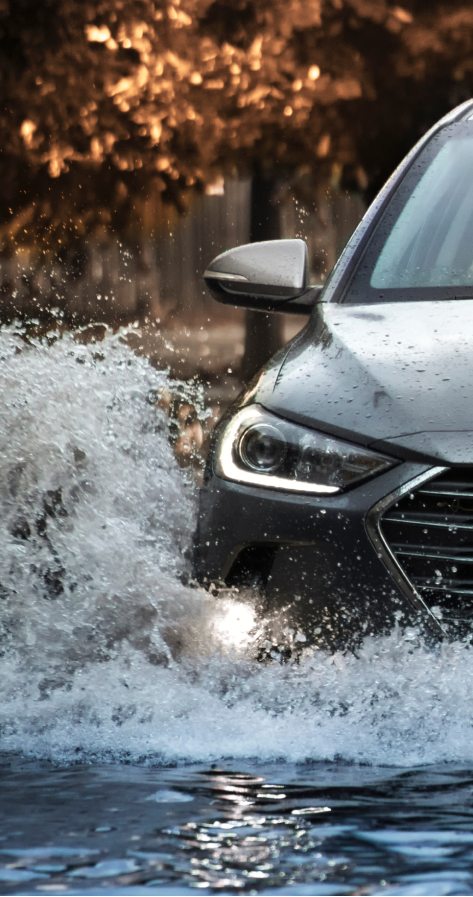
[[398, 376]]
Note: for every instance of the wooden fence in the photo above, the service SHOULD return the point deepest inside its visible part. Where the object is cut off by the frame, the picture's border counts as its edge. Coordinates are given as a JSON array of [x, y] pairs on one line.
[[161, 277]]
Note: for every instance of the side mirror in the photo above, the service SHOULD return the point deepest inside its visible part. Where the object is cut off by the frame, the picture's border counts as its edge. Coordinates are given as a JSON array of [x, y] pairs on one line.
[[270, 276]]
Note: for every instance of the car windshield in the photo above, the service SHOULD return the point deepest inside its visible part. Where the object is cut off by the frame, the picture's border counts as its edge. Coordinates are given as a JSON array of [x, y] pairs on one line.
[[422, 247]]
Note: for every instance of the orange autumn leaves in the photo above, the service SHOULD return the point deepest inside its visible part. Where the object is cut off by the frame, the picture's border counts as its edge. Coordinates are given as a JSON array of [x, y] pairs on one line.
[[106, 102]]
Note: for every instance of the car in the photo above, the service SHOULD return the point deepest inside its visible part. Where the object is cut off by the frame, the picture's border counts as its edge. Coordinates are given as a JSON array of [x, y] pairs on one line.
[[339, 485]]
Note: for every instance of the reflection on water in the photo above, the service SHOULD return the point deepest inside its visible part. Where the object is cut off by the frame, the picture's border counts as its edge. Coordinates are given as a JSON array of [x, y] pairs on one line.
[[282, 829]]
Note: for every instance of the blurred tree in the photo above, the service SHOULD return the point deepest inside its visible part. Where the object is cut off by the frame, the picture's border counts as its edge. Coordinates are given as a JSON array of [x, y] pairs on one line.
[[105, 104], [263, 333]]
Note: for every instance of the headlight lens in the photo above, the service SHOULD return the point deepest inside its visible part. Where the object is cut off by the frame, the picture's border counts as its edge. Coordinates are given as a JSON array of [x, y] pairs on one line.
[[263, 448], [260, 449]]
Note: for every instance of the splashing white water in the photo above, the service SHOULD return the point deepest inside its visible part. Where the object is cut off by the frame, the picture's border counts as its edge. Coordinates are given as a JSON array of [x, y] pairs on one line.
[[107, 654]]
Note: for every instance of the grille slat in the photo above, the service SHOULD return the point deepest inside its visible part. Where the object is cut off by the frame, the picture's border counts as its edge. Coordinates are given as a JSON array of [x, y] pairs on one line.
[[450, 525], [449, 492], [440, 556], [456, 483], [449, 590], [430, 532]]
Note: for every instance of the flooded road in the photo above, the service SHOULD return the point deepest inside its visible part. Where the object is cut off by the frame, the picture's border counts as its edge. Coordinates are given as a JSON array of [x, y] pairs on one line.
[[237, 828], [144, 748]]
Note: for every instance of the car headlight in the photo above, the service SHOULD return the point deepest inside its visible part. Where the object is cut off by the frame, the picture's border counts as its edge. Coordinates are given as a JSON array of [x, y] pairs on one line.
[[260, 449]]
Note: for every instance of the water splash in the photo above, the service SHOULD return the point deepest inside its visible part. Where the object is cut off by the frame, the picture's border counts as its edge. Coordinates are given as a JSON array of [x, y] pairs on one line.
[[108, 654]]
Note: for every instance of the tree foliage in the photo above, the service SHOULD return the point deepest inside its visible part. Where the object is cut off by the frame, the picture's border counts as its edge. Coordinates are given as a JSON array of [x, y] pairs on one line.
[[106, 103]]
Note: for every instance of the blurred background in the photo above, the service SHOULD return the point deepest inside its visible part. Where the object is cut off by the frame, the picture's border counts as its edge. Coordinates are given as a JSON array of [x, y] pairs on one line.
[[140, 138]]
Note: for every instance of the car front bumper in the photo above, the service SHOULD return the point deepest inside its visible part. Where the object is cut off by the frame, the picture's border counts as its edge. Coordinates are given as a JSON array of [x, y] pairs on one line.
[[319, 562]]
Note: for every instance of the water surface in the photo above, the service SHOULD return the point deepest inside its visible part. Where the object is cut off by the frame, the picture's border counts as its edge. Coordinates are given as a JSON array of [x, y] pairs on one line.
[[250, 828]]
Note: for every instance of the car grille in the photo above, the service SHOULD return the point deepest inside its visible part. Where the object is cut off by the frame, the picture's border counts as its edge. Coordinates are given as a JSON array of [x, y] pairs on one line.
[[430, 532]]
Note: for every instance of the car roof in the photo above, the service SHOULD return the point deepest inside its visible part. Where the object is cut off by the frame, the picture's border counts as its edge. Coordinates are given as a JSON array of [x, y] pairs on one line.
[[463, 112]]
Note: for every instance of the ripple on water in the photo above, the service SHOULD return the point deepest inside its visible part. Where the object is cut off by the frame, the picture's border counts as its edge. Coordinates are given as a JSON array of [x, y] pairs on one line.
[[365, 830]]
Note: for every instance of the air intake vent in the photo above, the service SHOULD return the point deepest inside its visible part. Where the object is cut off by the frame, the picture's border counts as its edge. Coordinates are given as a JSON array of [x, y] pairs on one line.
[[430, 532]]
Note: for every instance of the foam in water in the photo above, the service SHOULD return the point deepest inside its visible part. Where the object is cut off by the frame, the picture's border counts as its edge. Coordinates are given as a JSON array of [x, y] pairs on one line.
[[107, 654]]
